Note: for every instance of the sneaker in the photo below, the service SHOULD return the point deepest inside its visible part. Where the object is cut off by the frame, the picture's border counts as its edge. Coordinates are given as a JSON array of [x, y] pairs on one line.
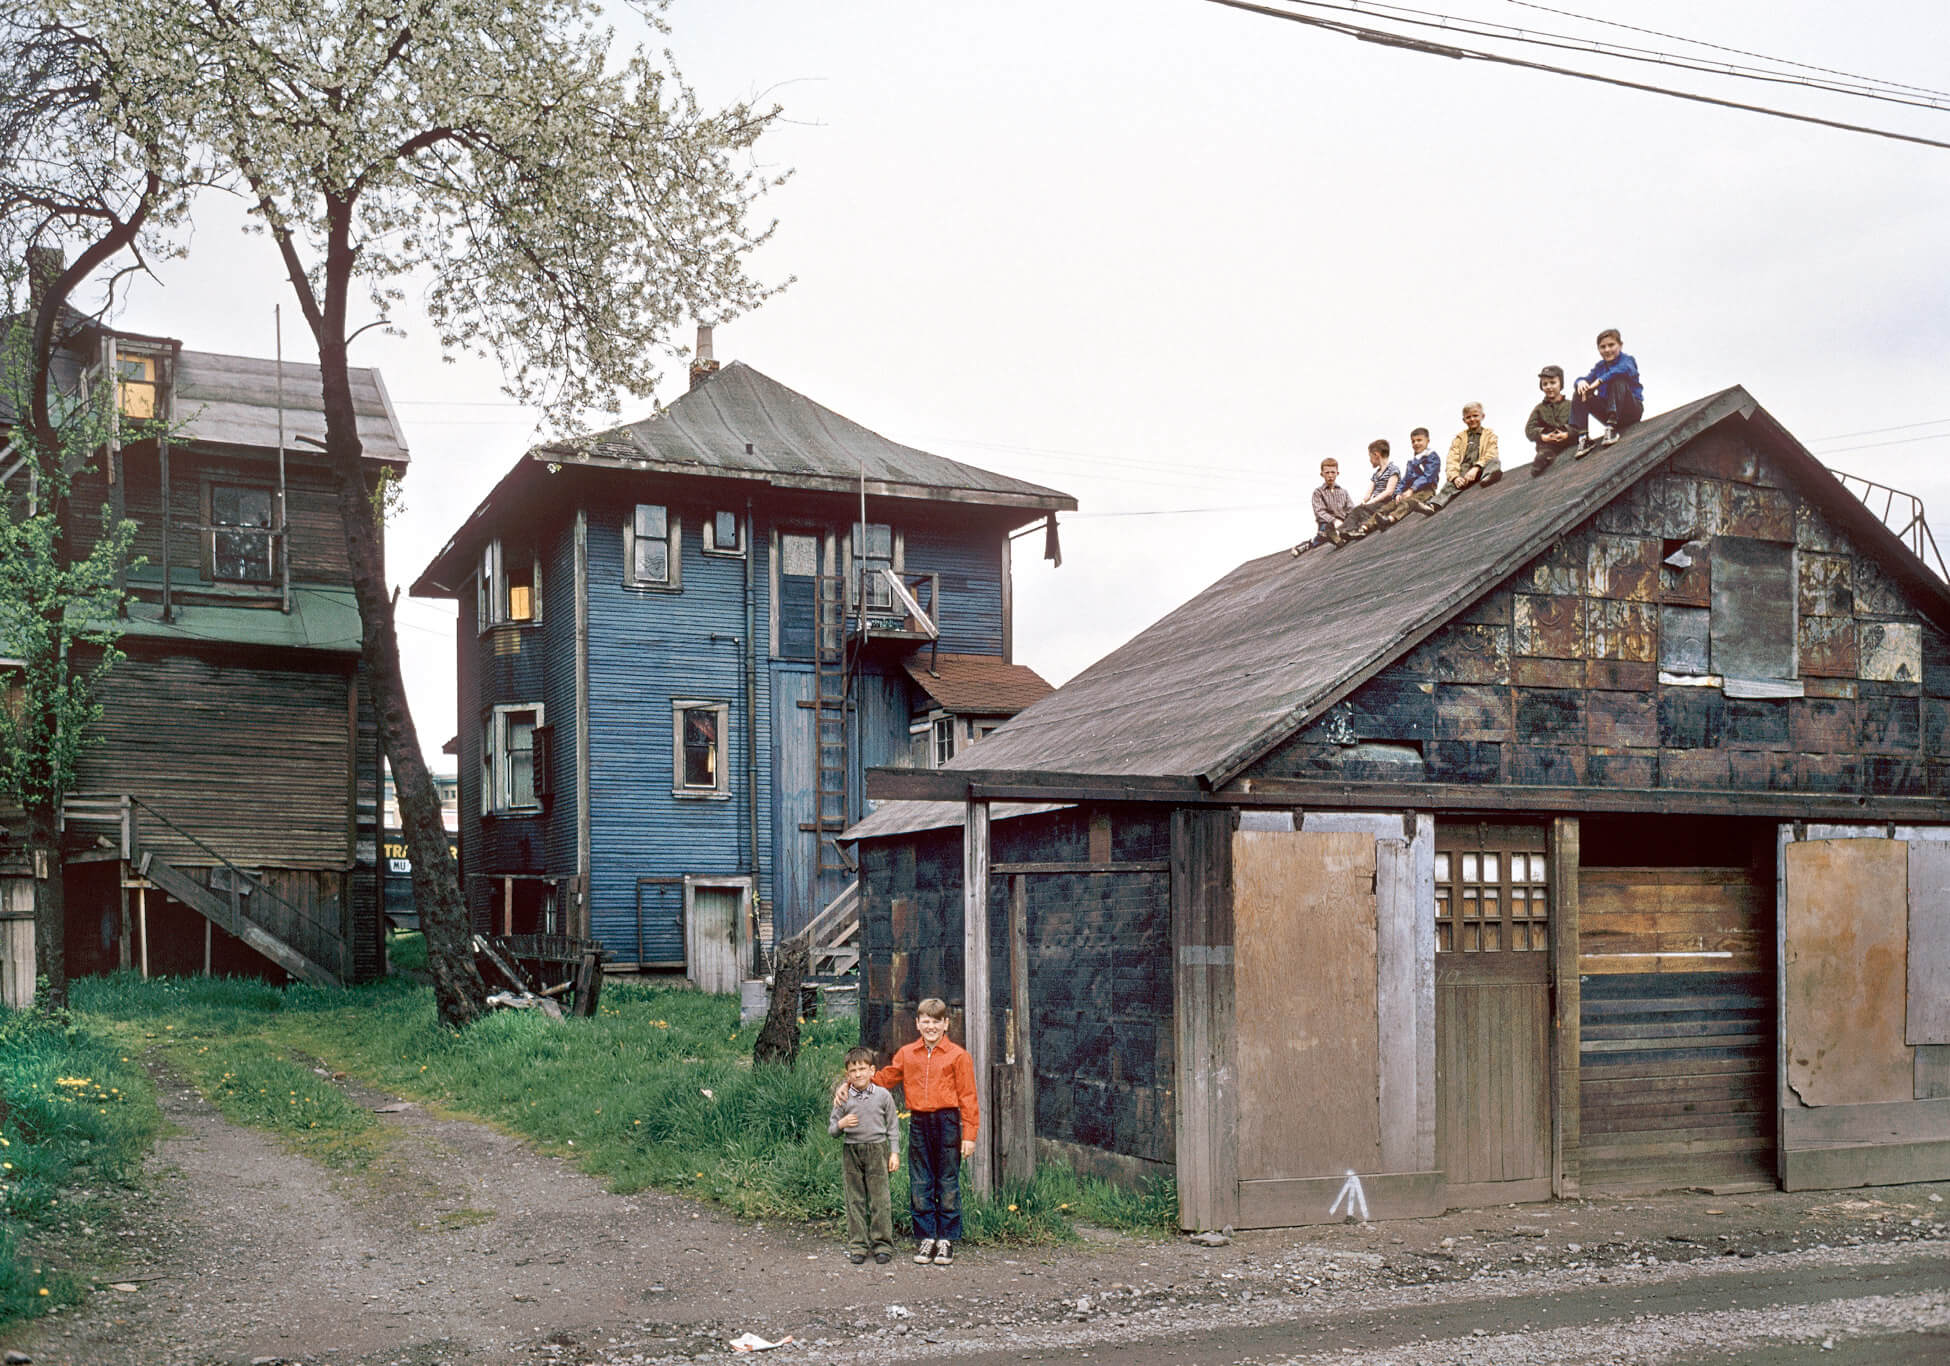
[[1427, 508], [1610, 438], [1492, 477], [857, 1258], [925, 1252], [882, 1258], [1585, 447], [944, 1253]]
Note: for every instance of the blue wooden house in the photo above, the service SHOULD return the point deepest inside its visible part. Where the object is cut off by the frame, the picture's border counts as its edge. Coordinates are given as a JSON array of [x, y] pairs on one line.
[[683, 641]]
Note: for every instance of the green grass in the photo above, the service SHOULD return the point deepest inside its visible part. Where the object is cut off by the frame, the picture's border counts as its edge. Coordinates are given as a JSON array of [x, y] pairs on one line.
[[406, 950], [79, 1115], [657, 1090]]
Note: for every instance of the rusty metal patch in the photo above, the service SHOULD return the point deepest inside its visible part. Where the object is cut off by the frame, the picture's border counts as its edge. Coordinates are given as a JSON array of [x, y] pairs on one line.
[[1549, 627], [1684, 640], [1622, 719], [1633, 768], [1888, 723], [1756, 723], [1632, 513], [1559, 570], [1686, 573], [1892, 651], [1876, 594], [1547, 765], [1623, 630], [1936, 661], [1829, 687], [1828, 647], [1672, 501], [1464, 653], [1493, 610], [1753, 608], [1936, 727], [1827, 585], [1693, 768], [1465, 761], [1468, 711], [1757, 513], [1828, 772], [1720, 456], [1822, 725], [1620, 675], [1812, 531], [1691, 718], [1760, 770], [1526, 672], [1625, 568], [1550, 715]]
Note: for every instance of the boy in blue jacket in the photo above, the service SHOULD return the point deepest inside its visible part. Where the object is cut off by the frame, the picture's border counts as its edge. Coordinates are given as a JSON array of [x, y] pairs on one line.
[[1611, 392]]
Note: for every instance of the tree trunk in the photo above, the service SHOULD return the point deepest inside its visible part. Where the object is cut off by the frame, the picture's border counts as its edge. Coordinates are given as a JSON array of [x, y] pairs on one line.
[[458, 990], [778, 1041], [50, 906]]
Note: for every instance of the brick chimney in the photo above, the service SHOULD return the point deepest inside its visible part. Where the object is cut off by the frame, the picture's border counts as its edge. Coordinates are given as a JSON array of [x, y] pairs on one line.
[[703, 363]]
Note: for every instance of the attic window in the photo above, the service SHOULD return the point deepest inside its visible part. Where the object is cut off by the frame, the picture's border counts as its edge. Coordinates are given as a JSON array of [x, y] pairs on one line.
[[722, 534], [509, 590], [135, 385], [1752, 612]]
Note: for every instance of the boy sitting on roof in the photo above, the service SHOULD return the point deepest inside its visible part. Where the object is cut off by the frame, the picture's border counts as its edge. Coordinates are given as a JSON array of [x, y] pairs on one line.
[[1419, 480], [1611, 391], [1549, 428], [1472, 458], [1331, 506], [1382, 488]]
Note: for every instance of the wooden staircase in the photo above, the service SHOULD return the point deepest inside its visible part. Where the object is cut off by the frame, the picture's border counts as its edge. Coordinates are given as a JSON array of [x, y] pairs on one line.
[[834, 935], [232, 899]]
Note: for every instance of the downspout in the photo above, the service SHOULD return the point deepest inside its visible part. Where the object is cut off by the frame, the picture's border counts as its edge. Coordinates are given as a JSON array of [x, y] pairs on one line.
[[751, 719], [584, 928]]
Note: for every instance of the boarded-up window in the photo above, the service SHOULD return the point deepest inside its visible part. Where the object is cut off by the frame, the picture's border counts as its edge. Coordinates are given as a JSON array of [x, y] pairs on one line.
[[798, 555], [721, 534], [1754, 595]]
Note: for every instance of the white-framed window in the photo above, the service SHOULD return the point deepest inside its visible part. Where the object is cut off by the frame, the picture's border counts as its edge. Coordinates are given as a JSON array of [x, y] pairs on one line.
[[652, 547], [944, 732], [874, 548], [508, 588], [514, 758], [724, 534], [700, 749]]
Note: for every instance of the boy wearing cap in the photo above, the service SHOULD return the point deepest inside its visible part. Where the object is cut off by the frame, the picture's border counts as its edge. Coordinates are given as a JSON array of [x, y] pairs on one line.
[[1549, 427]]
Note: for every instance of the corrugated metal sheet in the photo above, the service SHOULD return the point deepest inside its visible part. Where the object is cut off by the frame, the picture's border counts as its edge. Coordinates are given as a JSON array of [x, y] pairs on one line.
[[1246, 663]]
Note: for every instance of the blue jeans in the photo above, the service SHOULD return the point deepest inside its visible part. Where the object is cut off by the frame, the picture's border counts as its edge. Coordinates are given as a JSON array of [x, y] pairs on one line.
[[1612, 403], [934, 1173]]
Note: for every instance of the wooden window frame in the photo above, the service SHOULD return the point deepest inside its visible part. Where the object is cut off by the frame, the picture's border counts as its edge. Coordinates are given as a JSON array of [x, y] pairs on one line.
[[138, 396], [673, 580], [1516, 933], [896, 560], [708, 536], [207, 538], [721, 789], [497, 772], [492, 602]]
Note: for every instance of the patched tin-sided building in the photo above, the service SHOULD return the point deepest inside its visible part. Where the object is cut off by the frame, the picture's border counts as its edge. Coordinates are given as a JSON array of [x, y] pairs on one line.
[[1592, 835], [681, 643], [226, 820]]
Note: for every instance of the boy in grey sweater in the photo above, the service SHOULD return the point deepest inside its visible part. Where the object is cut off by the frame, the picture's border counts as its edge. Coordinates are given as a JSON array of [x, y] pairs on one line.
[[868, 1125]]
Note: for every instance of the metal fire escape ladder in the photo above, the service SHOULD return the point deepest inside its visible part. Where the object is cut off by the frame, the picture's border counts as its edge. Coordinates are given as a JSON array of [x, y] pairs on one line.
[[1902, 513], [832, 698]]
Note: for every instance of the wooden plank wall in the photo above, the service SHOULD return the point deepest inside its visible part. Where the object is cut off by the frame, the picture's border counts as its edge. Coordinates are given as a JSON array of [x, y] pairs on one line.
[[1203, 994], [16, 942], [1676, 1028], [217, 746], [1553, 677]]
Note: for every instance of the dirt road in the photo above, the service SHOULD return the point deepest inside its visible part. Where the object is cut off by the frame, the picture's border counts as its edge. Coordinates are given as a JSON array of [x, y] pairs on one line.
[[464, 1247]]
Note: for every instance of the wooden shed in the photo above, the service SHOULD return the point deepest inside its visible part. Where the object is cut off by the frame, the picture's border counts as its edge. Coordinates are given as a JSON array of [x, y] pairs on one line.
[[1592, 835]]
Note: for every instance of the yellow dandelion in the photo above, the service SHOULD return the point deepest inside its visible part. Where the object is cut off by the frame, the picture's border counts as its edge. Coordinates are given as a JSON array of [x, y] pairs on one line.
[[1012, 1209]]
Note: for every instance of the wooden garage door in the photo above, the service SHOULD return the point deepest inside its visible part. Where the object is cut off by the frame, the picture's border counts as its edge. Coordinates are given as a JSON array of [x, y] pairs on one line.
[[1676, 1056]]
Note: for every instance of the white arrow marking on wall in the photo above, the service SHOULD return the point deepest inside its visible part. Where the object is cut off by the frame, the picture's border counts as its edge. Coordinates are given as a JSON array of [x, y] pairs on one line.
[[1355, 1197]]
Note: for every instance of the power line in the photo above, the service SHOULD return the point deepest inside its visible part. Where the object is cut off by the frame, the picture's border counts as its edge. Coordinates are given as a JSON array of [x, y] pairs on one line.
[[1878, 431], [1878, 445], [1387, 39], [1717, 47]]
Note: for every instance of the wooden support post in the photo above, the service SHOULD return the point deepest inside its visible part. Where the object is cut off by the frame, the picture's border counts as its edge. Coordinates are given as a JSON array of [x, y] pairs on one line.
[[125, 949], [206, 945], [1019, 1141], [142, 922], [975, 986], [1566, 1120], [507, 905], [1206, 1081]]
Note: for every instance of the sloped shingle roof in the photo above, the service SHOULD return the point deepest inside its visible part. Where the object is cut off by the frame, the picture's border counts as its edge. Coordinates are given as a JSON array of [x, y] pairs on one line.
[[979, 684]]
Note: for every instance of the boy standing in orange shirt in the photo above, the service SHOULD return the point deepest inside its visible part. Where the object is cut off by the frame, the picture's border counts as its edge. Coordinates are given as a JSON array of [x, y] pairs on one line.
[[938, 1079]]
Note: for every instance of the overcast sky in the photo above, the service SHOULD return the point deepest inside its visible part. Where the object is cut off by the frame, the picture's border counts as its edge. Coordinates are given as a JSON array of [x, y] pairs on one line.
[[1165, 256]]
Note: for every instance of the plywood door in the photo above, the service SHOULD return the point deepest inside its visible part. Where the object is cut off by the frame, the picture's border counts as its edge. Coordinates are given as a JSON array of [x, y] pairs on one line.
[[711, 938], [1676, 1048], [1492, 1013], [1846, 972], [1306, 1035]]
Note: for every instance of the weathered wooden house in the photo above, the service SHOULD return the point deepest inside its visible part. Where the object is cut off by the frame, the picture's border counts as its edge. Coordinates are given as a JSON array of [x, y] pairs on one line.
[[227, 819], [682, 641], [1592, 835]]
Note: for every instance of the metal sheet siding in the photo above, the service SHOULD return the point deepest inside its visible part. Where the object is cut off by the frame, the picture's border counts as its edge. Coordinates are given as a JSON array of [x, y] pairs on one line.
[[970, 565], [647, 648]]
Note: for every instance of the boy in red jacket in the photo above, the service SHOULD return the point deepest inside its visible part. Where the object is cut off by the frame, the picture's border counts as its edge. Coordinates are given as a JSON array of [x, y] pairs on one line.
[[938, 1079]]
